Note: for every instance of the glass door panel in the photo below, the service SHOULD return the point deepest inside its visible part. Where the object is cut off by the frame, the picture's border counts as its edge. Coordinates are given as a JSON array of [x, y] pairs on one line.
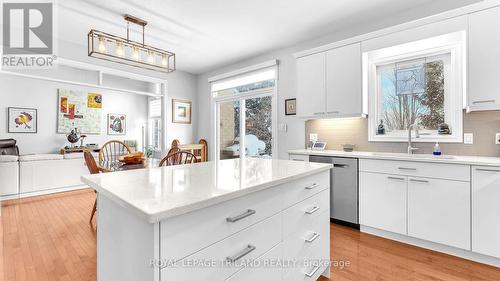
[[258, 127], [229, 129]]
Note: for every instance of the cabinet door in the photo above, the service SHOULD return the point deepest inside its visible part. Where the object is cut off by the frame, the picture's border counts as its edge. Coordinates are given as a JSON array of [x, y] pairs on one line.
[[486, 211], [382, 201], [439, 211], [344, 81], [484, 59], [311, 85]]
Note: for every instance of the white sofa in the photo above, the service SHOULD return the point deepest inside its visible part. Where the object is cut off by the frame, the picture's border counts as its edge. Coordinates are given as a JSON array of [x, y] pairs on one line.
[[37, 174]]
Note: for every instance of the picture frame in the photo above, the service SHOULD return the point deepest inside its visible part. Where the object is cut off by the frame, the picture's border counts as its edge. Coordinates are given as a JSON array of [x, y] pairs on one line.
[[181, 111], [22, 120], [291, 106], [117, 124]]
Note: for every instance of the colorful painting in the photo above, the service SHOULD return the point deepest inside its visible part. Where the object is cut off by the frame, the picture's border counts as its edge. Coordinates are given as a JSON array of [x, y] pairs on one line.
[[181, 111], [94, 100], [22, 120], [117, 124], [75, 112], [63, 105]]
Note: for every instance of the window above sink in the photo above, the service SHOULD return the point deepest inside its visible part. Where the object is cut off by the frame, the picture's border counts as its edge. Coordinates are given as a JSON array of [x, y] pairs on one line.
[[420, 82]]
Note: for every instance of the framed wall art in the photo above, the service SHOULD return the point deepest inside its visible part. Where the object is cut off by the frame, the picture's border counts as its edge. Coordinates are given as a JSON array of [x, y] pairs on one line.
[[22, 120], [181, 111], [117, 124], [290, 106]]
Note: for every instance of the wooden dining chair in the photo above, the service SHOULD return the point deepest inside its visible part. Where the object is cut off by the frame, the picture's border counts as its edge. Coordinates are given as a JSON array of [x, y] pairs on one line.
[[178, 158], [112, 150], [93, 169]]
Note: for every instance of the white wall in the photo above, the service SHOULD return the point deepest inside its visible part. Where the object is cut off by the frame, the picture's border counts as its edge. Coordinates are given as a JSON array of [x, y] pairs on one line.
[[42, 95], [294, 137]]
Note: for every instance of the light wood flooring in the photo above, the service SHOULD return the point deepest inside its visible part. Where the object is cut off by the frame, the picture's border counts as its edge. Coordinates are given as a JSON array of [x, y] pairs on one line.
[[49, 238]]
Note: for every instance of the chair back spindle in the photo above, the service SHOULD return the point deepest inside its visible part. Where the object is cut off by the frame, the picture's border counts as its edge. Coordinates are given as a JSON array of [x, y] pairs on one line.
[[178, 158]]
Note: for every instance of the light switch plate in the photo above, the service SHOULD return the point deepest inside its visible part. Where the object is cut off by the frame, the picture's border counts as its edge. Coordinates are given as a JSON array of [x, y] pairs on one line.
[[469, 138], [497, 138]]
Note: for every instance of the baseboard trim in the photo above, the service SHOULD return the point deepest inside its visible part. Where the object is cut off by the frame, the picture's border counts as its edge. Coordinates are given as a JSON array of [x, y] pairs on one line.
[[465, 254]]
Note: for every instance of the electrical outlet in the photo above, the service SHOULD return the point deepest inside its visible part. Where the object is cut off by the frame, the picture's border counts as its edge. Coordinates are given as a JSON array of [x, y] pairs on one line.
[[313, 137], [469, 138], [497, 138]]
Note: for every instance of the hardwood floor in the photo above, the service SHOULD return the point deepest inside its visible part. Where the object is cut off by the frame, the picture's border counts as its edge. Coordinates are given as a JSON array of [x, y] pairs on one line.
[[49, 238]]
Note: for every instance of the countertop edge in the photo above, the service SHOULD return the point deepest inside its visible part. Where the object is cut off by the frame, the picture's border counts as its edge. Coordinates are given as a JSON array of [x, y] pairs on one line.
[[157, 217]]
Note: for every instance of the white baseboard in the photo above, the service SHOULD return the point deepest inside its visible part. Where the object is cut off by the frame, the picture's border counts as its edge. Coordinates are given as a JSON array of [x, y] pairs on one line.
[[42, 192], [469, 255]]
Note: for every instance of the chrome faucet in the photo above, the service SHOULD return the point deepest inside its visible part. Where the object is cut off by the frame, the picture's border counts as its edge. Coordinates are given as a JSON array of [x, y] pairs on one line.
[[414, 126]]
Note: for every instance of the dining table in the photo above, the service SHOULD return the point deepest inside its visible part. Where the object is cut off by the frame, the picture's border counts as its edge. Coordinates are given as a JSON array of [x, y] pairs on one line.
[[115, 166]]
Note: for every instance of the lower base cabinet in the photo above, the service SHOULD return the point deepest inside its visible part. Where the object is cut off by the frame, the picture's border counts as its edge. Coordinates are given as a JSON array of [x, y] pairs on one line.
[[264, 268], [486, 211], [382, 201], [439, 211]]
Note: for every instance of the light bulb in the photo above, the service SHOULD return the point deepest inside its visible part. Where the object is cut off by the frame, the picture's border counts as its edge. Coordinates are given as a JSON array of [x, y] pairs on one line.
[[119, 49], [164, 60], [135, 54], [102, 44], [151, 59]]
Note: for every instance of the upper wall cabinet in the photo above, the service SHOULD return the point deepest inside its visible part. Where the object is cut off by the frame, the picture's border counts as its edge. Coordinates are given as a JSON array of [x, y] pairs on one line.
[[311, 85], [484, 60], [329, 84], [344, 81]]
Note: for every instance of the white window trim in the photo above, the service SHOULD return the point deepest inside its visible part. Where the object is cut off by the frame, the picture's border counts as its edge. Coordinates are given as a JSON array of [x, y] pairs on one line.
[[214, 102], [456, 47]]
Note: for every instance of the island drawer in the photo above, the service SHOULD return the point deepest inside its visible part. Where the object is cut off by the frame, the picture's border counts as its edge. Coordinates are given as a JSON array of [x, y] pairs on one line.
[[264, 268], [304, 188], [300, 215], [305, 238], [223, 259], [420, 169], [186, 234]]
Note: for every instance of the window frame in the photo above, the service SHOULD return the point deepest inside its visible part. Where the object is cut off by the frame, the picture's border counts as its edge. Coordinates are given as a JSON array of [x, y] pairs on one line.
[[455, 87]]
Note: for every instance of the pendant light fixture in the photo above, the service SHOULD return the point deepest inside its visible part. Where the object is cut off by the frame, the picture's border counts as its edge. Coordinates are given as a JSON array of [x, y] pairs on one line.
[[123, 50]]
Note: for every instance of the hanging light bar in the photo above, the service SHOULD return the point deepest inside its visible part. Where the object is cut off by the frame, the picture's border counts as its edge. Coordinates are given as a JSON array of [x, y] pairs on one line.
[[113, 48]]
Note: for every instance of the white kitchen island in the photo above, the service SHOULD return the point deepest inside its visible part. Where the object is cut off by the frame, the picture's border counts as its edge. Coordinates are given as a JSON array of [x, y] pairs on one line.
[[250, 219]]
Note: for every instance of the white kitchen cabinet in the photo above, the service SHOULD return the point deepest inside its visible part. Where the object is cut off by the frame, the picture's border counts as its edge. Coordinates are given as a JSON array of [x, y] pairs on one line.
[[311, 85], [439, 211], [484, 59], [486, 211], [344, 81], [9, 178], [382, 201]]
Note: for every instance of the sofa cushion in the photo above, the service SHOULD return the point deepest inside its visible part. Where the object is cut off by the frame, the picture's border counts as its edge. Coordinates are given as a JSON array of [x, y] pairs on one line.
[[8, 147], [8, 158], [40, 157]]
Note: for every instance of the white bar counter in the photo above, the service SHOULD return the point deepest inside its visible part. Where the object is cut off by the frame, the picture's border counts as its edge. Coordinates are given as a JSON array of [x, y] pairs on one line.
[[167, 223]]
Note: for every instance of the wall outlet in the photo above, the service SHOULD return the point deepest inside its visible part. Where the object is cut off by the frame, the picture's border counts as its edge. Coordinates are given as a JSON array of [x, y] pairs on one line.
[[497, 138], [469, 138], [313, 137]]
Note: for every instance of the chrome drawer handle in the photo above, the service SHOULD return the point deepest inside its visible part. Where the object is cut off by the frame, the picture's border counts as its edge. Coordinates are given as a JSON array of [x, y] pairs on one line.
[[421, 181], [313, 271], [313, 186], [395, 178], [248, 213], [241, 254], [314, 237], [487, 170], [313, 210], [407, 169], [333, 112], [483, 101]]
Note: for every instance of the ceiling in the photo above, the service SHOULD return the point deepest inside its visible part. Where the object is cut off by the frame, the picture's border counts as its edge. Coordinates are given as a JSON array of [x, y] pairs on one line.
[[206, 34]]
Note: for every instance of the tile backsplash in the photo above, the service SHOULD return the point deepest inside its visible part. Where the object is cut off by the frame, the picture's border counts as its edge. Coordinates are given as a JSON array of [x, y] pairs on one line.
[[337, 132]]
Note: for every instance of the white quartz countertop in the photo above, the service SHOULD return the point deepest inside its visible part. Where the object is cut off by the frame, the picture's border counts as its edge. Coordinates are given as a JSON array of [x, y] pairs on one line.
[[451, 159], [159, 193]]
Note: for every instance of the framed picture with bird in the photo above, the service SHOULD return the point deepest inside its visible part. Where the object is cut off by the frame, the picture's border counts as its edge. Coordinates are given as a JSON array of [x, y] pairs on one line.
[[22, 120]]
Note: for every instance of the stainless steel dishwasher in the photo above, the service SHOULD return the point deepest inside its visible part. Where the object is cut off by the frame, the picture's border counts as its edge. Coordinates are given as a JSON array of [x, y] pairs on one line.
[[344, 189]]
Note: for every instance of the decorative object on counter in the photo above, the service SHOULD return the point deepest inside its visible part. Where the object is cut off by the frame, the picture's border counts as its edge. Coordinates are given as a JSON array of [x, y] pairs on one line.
[[117, 49], [149, 151], [22, 120], [319, 145], [381, 128], [117, 124], [444, 129], [348, 147], [9, 147], [73, 137], [79, 109], [181, 111], [291, 106], [437, 150]]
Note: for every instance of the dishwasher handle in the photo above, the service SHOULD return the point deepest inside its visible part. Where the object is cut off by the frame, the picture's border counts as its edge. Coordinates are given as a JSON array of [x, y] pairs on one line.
[[344, 166]]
